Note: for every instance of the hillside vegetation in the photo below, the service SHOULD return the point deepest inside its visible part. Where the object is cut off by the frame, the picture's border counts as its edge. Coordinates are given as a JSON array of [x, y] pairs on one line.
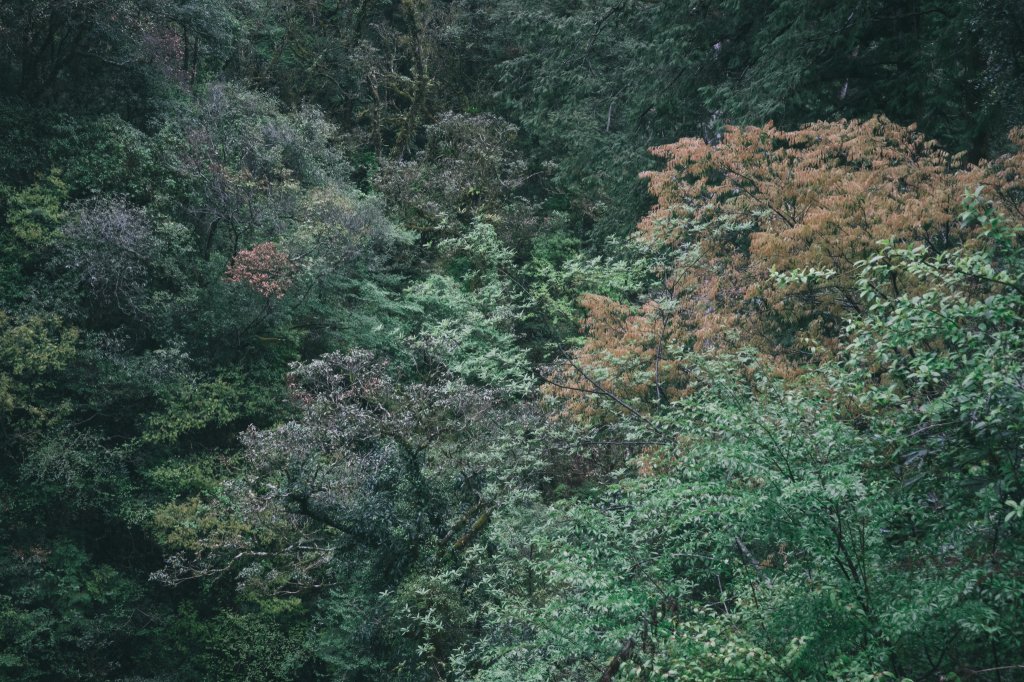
[[512, 340]]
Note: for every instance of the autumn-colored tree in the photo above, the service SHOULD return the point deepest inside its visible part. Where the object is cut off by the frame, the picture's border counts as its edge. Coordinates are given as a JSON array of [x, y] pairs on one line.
[[812, 202], [761, 233], [1003, 177], [263, 268]]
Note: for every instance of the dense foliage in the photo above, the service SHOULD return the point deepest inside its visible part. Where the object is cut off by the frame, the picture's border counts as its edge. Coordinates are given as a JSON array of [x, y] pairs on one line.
[[535, 340]]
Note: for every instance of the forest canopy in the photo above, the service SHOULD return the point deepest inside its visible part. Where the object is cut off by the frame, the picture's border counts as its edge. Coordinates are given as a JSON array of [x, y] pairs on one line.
[[535, 340]]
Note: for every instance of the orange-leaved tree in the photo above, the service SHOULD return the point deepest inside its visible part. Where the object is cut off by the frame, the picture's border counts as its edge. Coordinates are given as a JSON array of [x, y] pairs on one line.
[[762, 231]]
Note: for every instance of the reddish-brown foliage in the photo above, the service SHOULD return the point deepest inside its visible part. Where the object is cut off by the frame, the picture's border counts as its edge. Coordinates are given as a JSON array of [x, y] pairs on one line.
[[263, 268], [812, 203]]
